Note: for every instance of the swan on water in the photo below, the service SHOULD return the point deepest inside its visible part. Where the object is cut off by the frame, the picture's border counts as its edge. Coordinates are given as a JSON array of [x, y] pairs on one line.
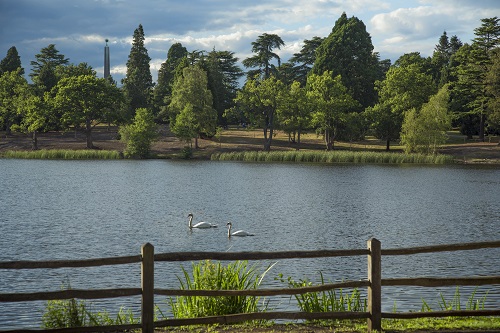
[[239, 233], [200, 225]]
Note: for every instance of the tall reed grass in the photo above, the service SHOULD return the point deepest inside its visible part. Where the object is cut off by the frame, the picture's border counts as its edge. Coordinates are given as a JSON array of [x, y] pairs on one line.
[[336, 156], [65, 154], [208, 275]]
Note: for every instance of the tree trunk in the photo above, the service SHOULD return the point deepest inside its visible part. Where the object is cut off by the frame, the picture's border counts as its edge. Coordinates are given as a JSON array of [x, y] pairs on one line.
[[88, 134], [34, 141], [481, 126], [387, 144], [196, 143]]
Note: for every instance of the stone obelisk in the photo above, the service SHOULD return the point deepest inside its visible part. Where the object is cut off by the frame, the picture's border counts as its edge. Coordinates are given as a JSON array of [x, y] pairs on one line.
[[106, 61]]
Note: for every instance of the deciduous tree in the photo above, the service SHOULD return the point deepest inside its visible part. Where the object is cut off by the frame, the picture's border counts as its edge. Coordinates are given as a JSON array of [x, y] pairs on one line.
[[85, 101], [331, 101], [192, 105], [140, 134]]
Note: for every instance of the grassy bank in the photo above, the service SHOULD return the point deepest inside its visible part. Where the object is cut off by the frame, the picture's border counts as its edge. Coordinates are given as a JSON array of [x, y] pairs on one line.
[[332, 157], [87, 154]]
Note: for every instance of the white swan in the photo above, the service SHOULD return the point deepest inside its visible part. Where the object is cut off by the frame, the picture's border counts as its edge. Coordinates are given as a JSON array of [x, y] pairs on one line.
[[239, 233], [200, 225]]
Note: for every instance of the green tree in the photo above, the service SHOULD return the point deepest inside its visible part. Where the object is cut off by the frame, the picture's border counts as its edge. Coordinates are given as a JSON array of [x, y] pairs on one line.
[[332, 102], [305, 58], [11, 84], [263, 48], [11, 62], [223, 75], [163, 89], [140, 134], [404, 88], [443, 51], [85, 101], [294, 111], [425, 130], [192, 106], [138, 82], [493, 90], [43, 69], [348, 52], [259, 101], [34, 114]]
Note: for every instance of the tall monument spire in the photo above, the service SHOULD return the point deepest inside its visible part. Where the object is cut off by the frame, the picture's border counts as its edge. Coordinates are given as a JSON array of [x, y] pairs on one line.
[[106, 61]]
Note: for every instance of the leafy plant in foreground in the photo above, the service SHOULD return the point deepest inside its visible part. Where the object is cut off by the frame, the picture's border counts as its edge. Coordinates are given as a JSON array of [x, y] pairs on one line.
[[325, 301], [208, 275]]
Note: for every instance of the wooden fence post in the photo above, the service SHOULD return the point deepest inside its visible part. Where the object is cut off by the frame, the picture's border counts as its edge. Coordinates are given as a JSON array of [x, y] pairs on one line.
[[147, 285], [375, 287]]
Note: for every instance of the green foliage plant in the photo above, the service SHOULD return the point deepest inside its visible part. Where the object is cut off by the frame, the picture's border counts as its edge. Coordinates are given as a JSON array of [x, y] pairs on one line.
[[140, 135], [326, 301], [209, 275]]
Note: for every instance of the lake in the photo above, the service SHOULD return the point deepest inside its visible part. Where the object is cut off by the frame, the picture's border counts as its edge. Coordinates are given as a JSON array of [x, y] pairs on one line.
[[91, 209]]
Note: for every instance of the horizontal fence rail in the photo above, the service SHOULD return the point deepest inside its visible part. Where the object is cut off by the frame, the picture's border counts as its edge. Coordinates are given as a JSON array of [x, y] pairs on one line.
[[374, 283]]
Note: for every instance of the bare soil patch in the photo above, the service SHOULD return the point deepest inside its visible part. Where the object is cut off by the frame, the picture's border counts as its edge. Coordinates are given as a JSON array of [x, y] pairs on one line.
[[237, 139]]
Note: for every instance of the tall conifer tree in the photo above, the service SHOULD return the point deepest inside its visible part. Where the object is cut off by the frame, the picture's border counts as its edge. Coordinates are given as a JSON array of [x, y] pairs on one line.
[[348, 52], [11, 62], [138, 83]]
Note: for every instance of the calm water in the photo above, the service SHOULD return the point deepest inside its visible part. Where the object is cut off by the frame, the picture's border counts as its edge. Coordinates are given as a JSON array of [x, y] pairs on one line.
[[90, 209]]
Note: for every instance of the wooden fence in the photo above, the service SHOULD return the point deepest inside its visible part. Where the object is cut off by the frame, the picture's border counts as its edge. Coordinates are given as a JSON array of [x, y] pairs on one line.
[[374, 283]]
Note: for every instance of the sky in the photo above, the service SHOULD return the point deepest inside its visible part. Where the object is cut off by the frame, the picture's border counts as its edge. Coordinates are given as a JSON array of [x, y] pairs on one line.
[[79, 28]]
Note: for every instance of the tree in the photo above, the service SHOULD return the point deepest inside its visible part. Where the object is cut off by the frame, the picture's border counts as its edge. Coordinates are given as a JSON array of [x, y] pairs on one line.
[[43, 71], [138, 83], [348, 52], [425, 130], [223, 76], [34, 114], [259, 100], [11, 85], [294, 111], [163, 89], [263, 48], [192, 105], [85, 101], [404, 88], [493, 90], [332, 102], [304, 60], [11, 62], [140, 134], [443, 51], [487, 38]]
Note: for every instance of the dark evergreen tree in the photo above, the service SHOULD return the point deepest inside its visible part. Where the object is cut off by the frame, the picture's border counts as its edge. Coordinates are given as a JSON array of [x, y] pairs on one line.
[[223, 75], [44, 68], [348, 52], [304, 60], [263, 48], [138, 83], [11, 62], [443, 51]]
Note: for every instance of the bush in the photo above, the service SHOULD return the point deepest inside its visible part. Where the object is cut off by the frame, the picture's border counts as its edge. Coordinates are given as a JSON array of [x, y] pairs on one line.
[[139, 135]]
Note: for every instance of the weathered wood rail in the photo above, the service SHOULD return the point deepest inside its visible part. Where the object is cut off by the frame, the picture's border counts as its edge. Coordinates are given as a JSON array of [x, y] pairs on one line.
[[374, 283]]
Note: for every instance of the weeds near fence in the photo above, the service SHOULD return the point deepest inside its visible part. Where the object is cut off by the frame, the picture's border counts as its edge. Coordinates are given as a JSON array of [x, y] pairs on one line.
[[208, 275], [338, 156], [325, 301], [66, 154], [455, 303]]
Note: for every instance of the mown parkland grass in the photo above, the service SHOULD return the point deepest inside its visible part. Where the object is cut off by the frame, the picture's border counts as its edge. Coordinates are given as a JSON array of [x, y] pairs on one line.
[[332, 157]]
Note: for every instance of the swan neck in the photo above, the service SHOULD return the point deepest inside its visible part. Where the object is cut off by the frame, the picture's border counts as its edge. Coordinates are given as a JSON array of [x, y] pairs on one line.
[[191, 222]]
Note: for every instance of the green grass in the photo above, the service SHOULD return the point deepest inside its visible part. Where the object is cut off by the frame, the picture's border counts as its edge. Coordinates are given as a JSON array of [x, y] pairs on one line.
[[65, 154], [338, 156]]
